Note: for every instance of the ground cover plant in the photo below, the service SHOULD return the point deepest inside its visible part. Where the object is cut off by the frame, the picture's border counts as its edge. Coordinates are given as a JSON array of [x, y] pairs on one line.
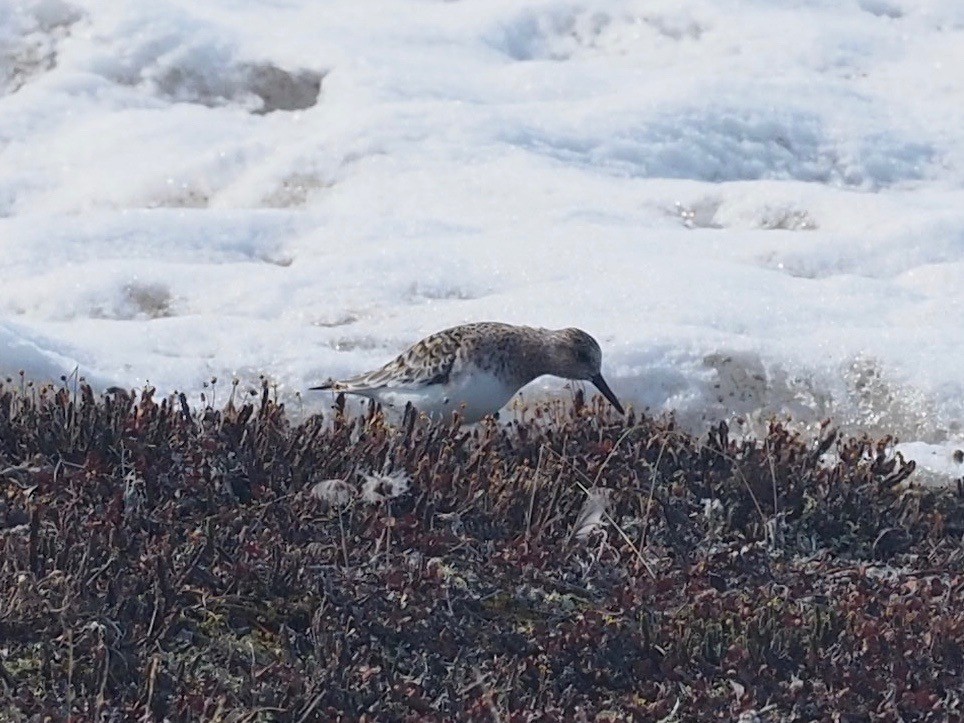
[[160, 561]]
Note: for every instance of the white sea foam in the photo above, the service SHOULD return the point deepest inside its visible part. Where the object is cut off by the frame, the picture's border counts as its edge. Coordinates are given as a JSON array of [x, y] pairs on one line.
[[757, 207]]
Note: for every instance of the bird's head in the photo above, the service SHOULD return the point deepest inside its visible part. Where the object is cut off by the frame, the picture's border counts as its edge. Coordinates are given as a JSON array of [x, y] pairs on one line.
[[576, 355]]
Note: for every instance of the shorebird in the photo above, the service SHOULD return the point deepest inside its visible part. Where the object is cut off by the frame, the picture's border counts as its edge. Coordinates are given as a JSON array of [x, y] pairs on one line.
[[476, 368]]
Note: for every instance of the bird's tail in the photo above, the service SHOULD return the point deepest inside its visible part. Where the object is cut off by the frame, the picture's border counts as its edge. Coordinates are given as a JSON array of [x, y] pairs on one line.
[[330, 384]]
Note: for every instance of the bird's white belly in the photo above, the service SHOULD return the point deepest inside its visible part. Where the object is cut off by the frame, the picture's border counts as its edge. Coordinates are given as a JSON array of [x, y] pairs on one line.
[[474, 395]]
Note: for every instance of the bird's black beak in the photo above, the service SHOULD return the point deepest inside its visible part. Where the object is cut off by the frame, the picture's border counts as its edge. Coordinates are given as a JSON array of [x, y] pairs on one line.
[[607, 392]]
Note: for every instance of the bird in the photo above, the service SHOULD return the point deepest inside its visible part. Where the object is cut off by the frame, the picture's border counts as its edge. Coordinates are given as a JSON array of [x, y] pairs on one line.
[[475, 369]]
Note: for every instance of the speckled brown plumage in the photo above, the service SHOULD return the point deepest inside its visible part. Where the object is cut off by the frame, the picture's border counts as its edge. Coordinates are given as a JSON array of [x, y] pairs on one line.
[[478, 367]]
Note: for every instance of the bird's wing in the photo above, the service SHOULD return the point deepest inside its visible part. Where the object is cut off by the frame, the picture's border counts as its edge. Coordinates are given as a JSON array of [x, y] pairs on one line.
[[429, 361]]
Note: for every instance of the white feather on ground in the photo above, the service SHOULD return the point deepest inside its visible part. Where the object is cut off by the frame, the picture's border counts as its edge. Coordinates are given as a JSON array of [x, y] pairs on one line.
[[594, 512], [335, 492], [383, 487]]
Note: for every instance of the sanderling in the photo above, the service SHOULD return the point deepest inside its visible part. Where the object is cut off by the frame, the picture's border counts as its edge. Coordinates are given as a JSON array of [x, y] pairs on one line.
[[476, 368]]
